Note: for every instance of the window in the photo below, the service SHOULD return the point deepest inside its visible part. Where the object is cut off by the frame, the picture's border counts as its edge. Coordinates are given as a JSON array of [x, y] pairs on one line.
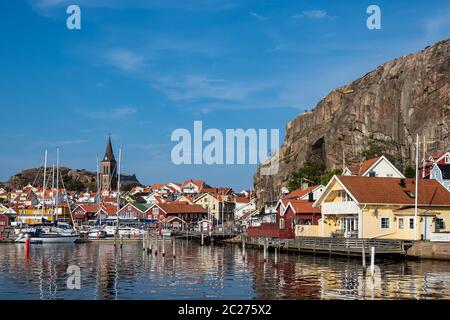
[[447, 159], [385, 223], [411, 223], [400, 223], [345, 197], [282, 223], [155, 211], [440, 224]]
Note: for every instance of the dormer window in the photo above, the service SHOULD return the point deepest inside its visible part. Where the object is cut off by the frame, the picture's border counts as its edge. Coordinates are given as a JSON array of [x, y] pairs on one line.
[[410, 194]]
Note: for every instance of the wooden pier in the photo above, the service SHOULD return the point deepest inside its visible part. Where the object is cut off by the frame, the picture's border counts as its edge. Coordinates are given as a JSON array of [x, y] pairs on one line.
[[334, 246], [207, 236]]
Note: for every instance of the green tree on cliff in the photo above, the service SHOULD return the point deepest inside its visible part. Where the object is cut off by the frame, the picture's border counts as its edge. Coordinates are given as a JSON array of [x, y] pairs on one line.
[[329, 174], [409, 172], [310, 170]]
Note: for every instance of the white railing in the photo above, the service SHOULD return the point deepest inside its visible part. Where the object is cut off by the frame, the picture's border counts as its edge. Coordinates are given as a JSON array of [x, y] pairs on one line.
[[346, 207], [440, 236]]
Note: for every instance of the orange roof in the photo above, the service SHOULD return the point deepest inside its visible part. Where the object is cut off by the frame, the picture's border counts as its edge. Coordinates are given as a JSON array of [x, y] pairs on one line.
[[360, 169], [181, 207], [298, 193], [242, 199], [303, 206], [378, 190], [198, 183]]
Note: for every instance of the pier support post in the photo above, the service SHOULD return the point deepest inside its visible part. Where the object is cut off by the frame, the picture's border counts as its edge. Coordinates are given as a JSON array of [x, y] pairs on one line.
[[163, 247], [144, 242], [243, 247], [156, 246], [276, 255], [121, 241], [372, 261], [202, 239], [265, 251], [173, 248], [363, 255], [115, 239]]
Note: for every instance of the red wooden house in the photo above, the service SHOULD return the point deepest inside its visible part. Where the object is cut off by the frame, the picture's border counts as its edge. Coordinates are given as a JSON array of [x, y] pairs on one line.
[[289, 214], [189, 213]]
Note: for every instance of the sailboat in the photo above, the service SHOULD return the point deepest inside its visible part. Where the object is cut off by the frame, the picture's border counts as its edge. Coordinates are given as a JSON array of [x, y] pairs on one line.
[[50, 232]]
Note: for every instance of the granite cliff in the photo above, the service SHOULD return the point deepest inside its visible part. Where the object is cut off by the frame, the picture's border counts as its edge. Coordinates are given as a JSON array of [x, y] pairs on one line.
[[383, 110]]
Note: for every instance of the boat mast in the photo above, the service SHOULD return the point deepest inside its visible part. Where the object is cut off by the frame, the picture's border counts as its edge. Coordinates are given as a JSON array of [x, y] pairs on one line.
[[118, 186], [416, 198], [98, 193], [44, 183], [57, 184], [52, 191]]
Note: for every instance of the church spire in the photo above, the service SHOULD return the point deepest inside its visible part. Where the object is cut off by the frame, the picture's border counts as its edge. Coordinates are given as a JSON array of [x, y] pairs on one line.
[[109, 153]]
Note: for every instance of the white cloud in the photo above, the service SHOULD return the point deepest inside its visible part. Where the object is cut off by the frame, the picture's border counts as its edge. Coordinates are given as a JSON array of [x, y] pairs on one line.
[[63, 142], [124, 59], [311, 14], [258, 16], [107, 114]]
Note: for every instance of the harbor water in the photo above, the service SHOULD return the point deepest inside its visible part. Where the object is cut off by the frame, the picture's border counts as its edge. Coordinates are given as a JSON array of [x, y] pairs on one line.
[[209, 272]]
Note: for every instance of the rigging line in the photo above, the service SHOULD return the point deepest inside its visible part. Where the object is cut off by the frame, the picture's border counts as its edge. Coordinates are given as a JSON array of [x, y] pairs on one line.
[[67, 198]]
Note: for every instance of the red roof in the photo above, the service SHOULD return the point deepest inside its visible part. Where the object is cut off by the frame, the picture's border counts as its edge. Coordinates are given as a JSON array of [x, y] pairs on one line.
[[181, 208], [360, 169], [296, 194], [303, 206], [378, 190]]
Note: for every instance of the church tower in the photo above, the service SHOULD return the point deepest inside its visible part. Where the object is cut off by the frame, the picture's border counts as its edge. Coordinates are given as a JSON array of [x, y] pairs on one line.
[[108, 169]]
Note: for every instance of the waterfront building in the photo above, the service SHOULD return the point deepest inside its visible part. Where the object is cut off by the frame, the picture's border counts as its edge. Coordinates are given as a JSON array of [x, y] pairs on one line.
[[375, 167], [220, 207], [189, 213], [374, 207], [293, 218], [133, 212]]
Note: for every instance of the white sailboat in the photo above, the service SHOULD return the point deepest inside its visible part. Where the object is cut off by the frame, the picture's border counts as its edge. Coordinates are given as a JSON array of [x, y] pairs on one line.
[[54, 232]]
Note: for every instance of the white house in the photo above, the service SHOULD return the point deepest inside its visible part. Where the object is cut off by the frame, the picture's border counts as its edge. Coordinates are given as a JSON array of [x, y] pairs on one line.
[[375, 167], [243, 205]]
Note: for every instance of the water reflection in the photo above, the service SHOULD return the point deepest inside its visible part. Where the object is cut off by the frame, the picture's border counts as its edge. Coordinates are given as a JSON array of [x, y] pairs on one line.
[[209, 272]]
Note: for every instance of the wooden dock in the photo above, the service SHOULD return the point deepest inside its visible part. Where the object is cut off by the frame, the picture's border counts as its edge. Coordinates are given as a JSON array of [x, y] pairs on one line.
[[334, 246]]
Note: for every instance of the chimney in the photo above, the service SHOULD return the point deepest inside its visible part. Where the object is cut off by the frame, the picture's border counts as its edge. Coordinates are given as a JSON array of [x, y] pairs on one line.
[[402, 183], [311, 197]]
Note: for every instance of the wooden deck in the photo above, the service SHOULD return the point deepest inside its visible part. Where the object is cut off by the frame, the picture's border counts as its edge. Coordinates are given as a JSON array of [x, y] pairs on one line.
[[334, 246]]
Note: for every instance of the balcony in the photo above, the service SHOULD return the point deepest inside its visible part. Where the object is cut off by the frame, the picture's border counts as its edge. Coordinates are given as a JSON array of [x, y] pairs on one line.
[[346, 207]]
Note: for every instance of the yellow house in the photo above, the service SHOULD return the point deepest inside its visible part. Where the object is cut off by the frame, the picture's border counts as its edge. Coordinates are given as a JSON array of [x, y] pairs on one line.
[[374, 207], [218, 206]]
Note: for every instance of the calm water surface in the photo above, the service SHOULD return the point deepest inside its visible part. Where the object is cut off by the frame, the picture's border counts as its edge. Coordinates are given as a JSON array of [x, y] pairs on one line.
[[209, 272]]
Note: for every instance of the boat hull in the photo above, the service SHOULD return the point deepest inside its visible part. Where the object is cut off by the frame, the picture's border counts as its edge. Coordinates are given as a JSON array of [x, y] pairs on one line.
[[60, 239]]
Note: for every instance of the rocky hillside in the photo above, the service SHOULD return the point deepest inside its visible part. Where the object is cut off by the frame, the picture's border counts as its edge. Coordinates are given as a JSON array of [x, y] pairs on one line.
[[380, 112], [74, 179]]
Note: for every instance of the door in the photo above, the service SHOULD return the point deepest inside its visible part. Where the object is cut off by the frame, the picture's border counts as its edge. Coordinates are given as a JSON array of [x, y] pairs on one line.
[[427, 227], [350, 226]]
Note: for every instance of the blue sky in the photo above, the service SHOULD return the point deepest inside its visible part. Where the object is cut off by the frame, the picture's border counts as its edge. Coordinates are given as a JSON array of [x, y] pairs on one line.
[[140, 69]]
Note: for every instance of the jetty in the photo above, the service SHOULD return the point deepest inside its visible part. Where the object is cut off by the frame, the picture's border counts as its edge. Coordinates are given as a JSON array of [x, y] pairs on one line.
[[332, 246]]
